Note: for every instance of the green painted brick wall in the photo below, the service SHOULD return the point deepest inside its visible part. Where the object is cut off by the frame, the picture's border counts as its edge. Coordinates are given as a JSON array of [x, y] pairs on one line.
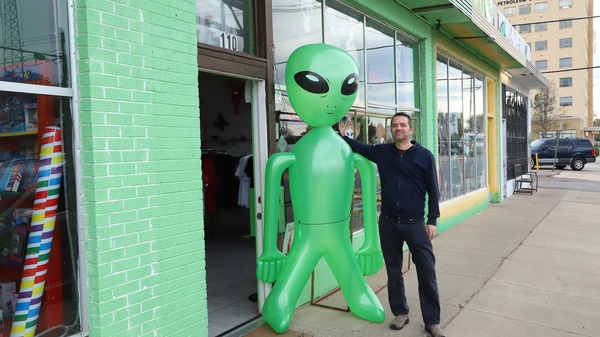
[[140, 153]]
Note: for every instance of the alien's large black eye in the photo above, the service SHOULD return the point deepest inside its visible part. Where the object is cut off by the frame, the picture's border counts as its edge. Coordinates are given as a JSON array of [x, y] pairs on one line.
[[311, 82], [350, 85]]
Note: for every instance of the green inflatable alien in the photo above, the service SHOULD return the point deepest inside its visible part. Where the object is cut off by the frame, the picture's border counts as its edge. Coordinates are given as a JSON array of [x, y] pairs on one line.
[[321, 84]]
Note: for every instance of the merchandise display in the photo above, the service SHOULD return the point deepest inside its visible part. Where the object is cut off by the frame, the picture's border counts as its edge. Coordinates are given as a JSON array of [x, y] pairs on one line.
[[41, 233]]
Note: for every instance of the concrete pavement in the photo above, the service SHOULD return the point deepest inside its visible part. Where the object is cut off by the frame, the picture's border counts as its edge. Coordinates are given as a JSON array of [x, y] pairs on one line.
[[529, 266]]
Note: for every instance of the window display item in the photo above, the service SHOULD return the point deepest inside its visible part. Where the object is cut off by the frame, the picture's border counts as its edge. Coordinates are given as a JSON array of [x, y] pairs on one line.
[[41, 233], [7, 289], [322, 85]]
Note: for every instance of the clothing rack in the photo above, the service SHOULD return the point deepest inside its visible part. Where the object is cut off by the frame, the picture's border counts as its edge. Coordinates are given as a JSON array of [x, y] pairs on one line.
[[214, 151]]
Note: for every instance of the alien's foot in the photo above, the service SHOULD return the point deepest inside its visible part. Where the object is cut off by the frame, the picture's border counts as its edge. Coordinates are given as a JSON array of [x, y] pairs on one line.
[[369, 309], [277, 318]]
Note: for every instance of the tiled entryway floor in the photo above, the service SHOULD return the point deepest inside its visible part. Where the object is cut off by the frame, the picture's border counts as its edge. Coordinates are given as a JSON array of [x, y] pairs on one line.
[[231, 279]]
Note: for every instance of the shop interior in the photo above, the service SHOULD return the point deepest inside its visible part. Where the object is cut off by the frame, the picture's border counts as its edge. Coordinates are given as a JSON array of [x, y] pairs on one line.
[[227, 169]]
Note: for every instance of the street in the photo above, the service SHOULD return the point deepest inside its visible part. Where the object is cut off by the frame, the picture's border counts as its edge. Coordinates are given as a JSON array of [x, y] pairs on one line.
[[587, 179]]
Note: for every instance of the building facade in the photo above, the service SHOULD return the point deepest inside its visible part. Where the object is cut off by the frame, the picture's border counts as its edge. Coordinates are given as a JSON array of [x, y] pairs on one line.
[[561, 36], [152, 222]]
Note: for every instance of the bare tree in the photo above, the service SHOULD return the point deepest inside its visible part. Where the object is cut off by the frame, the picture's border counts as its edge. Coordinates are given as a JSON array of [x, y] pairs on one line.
[[545, 114]]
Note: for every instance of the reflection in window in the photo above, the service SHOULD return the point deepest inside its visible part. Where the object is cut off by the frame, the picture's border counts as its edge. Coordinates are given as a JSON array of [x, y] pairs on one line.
[[306, 16], [343, 29], [461, 129], [35, 43], [380, 63], [405, 61], [223, 24]]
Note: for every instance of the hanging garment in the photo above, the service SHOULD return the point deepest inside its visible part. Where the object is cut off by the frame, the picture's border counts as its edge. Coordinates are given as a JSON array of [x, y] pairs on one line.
[[244, 181]]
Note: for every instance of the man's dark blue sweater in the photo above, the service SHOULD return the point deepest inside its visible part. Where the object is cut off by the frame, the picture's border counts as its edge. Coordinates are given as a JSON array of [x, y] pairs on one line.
[[405, 178]]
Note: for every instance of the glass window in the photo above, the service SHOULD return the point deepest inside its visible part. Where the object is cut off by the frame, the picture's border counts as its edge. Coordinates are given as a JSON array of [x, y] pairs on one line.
[[26, 122], [306, 16], [565, 62], [461, 129], [344, 29], [565, 4], [524, 9], [380, 64], [562, 24], [524, 29], [224, 24], [541, 64], [407, 87], [566, 42], [541, 6], [541, 45], [510, 11], [566, 82], [566, 101], [35, 47], [541, 27]]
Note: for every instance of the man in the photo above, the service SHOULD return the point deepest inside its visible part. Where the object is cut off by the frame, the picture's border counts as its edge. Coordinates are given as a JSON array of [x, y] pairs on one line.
[[407, 172]]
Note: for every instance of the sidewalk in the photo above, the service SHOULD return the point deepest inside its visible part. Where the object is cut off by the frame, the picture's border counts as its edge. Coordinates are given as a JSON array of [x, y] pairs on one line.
[[529, 266]]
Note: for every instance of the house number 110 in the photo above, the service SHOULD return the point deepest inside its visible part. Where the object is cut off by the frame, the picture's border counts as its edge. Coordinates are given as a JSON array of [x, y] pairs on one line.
[[229, 41]]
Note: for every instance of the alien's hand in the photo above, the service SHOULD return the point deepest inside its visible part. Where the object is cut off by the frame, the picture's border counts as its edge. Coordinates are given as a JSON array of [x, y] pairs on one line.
[[269, 266], [370, 261]]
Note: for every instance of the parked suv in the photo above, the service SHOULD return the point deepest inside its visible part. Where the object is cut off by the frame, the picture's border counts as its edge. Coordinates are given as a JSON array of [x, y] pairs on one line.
[[575, 152]]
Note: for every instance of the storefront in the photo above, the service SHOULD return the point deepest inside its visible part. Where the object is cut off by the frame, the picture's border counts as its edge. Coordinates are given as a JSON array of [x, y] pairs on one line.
[[168, 116]]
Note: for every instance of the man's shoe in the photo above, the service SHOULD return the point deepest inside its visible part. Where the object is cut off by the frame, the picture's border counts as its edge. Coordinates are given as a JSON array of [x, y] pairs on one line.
[[435, 330], [399, 322]]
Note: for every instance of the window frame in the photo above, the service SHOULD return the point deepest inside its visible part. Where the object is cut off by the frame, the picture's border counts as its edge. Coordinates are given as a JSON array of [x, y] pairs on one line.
[[525, 9], [565, 59], [566, 42], [541, 45], [565, 82], [565, 24], [524, 29], [564, 4], [542, 67], [541, 7], [566, 101], [541, 27]]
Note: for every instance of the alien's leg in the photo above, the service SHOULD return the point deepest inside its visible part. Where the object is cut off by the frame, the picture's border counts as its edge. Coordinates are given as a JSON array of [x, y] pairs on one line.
[[343, 263], [281, 301]]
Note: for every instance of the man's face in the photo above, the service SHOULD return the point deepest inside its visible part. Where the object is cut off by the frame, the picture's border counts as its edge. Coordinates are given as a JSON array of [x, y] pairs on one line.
[[401, 129]]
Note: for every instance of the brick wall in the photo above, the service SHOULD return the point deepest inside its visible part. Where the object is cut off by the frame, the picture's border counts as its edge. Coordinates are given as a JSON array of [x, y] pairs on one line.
[[140, 156]]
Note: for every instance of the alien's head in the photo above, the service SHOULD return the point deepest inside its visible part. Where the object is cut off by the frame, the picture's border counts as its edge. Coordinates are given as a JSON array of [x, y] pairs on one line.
[[321, 82]]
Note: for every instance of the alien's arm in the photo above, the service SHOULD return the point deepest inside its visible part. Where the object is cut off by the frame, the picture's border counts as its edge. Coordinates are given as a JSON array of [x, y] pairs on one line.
[[369, 255], [271, 260]]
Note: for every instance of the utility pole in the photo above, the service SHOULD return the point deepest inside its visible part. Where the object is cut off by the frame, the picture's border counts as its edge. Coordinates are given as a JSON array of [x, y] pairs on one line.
[[13, 53]]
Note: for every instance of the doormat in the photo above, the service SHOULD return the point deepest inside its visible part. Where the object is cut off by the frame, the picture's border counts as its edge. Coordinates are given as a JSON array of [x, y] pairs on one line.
[[266, 331]]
